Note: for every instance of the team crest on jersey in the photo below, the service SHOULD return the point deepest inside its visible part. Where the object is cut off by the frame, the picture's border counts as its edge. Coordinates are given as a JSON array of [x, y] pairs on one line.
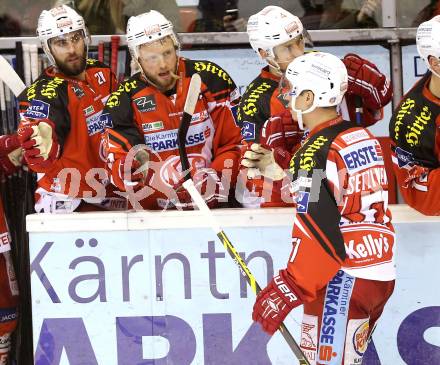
[[171, 169], [146, 103], [37, 110], [248, 131]]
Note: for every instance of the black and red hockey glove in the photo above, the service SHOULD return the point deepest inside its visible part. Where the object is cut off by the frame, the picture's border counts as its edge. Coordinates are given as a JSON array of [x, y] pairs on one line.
[[208, 183], [365, 80], [275, 302], [10, 153]]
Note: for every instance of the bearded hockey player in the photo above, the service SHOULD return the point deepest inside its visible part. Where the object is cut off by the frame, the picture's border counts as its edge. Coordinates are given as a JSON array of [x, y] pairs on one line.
[[146, 111], [60, 126], [341, 267]]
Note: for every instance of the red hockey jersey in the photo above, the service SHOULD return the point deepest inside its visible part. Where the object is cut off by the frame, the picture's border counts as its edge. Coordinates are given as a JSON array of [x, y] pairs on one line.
[[138, 113]]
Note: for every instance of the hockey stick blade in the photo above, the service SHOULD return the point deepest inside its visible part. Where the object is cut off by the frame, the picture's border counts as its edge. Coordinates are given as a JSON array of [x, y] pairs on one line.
[[188, 111], [10, 77], [190, 103]]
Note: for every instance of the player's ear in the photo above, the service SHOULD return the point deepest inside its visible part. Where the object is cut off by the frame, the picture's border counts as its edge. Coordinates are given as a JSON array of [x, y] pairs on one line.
[[309, 97], [262, 53], [434, 61]]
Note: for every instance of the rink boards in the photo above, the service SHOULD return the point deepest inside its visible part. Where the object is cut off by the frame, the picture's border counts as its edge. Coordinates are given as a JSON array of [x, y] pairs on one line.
[[158, 288]]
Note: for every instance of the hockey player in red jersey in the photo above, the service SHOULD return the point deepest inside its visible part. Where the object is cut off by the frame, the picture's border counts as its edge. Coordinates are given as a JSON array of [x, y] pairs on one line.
[[60, 126], [278, 37], [415, 129], [10, 159], [146, 111], [341, 267]]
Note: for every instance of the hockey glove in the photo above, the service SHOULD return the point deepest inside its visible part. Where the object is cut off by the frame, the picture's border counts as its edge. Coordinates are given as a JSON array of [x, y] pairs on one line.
[[132, 173], [261, 161], [416, 172], [366, 81], [275, 302], [39, 142], [281, 132], [209, 185], [11, 153]]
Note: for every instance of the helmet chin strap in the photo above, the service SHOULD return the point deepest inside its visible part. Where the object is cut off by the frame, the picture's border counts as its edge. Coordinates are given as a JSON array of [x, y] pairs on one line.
[[274, 65], [299, 113]]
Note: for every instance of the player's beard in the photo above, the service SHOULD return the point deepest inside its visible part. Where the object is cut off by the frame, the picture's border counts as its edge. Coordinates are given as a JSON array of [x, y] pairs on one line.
[[162, 84], [73, 70]]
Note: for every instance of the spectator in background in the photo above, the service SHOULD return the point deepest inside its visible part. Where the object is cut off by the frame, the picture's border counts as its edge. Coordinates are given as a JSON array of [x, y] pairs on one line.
[[110, 16], [349, 14], [219, 16], [168, 8], [101, 16], [19, 18], [428, 12]]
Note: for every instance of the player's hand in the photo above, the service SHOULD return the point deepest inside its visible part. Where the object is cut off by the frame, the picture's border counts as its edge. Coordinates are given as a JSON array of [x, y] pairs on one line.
[[208, 184], [366, 81], [275, 301], [39, 142], [11, 153], [132, 173], [261, 161], [281, 134]]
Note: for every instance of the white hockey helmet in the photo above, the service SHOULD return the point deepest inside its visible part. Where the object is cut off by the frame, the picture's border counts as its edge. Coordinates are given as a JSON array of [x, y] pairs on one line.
[[428, 39], [271, 27], [146, 28], [56, 22], [322, 73]]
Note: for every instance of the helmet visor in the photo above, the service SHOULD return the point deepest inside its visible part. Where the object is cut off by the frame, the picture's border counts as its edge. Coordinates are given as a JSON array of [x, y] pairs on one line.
[[64, 41], [162, 51]]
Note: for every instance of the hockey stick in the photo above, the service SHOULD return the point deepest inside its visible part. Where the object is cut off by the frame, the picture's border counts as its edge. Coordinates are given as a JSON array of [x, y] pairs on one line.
[[4, 123], [115, 54], [33, 49], [27, 64], [188, 110], [101, 51], [359, 109], [10, 77]]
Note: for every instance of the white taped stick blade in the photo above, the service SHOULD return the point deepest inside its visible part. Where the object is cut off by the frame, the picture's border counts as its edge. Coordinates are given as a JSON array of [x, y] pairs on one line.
[[201, 204], [193, 94], [10, 77]]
